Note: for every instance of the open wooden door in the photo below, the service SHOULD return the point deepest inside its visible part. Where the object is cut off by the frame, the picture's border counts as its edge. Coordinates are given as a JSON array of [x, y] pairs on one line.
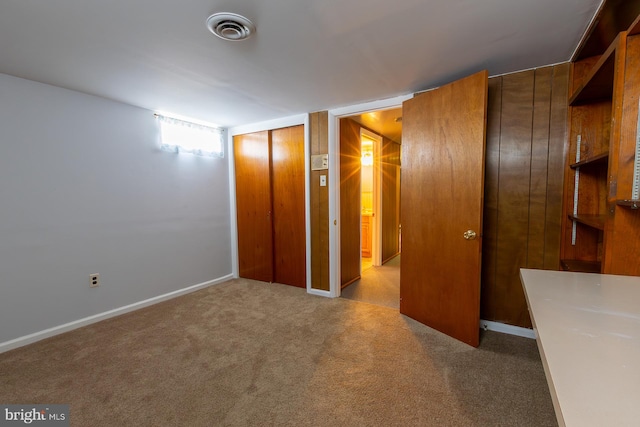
[[443, 145]]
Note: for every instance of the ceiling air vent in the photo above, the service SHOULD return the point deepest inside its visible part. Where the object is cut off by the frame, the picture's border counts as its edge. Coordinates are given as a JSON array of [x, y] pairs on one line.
[[230, 26]]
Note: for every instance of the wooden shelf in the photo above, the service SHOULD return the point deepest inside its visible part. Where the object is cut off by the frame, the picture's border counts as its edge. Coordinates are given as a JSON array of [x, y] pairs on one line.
[[593, 160], [594, 221], [614, 16], [581, 266], [598, 84], [631, 204], [604, 80]]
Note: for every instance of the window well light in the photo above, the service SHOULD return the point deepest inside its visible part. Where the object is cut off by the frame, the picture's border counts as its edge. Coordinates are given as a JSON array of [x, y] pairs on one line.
[[181, 136]]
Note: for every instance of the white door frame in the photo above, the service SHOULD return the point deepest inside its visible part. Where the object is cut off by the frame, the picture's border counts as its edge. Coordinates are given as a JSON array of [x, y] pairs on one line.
[[334, 178]]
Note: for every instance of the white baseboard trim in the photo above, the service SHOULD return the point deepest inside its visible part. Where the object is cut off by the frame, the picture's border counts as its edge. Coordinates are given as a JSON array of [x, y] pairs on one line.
[[507, 329], [56, 330], [318, 292]]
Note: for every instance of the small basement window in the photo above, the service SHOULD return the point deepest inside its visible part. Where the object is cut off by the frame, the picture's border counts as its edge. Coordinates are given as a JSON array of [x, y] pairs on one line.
[[181, 136]]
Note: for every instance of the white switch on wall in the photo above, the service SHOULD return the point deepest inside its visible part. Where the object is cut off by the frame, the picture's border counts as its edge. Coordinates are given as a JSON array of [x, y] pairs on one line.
[[323, 180]]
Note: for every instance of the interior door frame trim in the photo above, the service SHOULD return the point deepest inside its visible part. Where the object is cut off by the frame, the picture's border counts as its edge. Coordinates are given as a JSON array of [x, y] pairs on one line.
[[334, 178], [376, 219], [300, 119]]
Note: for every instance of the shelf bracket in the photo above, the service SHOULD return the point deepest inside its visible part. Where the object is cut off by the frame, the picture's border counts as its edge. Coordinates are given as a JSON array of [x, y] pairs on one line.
[[575, 191]]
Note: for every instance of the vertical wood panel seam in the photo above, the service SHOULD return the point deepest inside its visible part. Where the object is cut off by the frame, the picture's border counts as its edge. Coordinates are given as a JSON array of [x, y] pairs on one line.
[[271, 210], [315, 213], [497, 236], [546, 189], [559, 97], [533, 118]]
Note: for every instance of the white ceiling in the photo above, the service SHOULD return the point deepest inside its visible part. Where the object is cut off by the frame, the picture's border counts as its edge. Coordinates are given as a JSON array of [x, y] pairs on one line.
[[307, 55]]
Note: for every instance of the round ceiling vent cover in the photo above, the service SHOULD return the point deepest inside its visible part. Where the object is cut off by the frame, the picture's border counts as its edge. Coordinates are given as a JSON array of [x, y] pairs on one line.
[[230, 26]]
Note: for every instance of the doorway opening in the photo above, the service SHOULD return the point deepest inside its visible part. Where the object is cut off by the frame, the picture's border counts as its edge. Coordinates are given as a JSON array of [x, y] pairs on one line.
[[444, 133], [369, 148], [369, 199]]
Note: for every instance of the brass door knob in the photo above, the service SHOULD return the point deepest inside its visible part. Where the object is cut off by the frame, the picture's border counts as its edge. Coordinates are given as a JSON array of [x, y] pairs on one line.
[[469, 235]]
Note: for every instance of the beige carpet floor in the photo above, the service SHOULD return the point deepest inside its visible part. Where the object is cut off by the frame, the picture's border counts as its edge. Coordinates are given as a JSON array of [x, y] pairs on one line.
[[378, 285], [247, 353]]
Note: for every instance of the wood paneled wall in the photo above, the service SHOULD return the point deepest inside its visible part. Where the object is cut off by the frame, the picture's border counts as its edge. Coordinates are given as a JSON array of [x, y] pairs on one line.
[[526, 133], [350, 194], [390, 164], [318, 133]]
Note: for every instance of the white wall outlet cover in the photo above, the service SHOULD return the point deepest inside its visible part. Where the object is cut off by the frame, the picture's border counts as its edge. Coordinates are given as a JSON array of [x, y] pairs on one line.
[[94, 280]]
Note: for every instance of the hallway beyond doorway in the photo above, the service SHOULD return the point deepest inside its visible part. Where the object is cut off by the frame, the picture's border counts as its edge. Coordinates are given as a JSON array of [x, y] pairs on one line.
[[378, 285]]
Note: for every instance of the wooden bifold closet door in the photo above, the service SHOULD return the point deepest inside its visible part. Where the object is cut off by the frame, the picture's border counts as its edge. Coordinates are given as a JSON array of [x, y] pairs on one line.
[[270, 199]]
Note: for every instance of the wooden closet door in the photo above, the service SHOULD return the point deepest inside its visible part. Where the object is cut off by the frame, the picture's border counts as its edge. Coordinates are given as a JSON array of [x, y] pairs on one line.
[[350, 211], [253, 206], [287, 174]]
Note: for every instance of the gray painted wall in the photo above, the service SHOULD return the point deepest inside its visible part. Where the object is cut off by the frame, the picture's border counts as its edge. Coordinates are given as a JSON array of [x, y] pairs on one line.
[[84, 189]]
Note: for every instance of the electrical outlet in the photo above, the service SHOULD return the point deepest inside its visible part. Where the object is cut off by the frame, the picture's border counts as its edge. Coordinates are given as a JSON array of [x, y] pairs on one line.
[[94, 280]]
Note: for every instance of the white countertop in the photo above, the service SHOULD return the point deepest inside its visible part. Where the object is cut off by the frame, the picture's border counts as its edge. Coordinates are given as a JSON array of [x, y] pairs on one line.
[[588, 332]]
